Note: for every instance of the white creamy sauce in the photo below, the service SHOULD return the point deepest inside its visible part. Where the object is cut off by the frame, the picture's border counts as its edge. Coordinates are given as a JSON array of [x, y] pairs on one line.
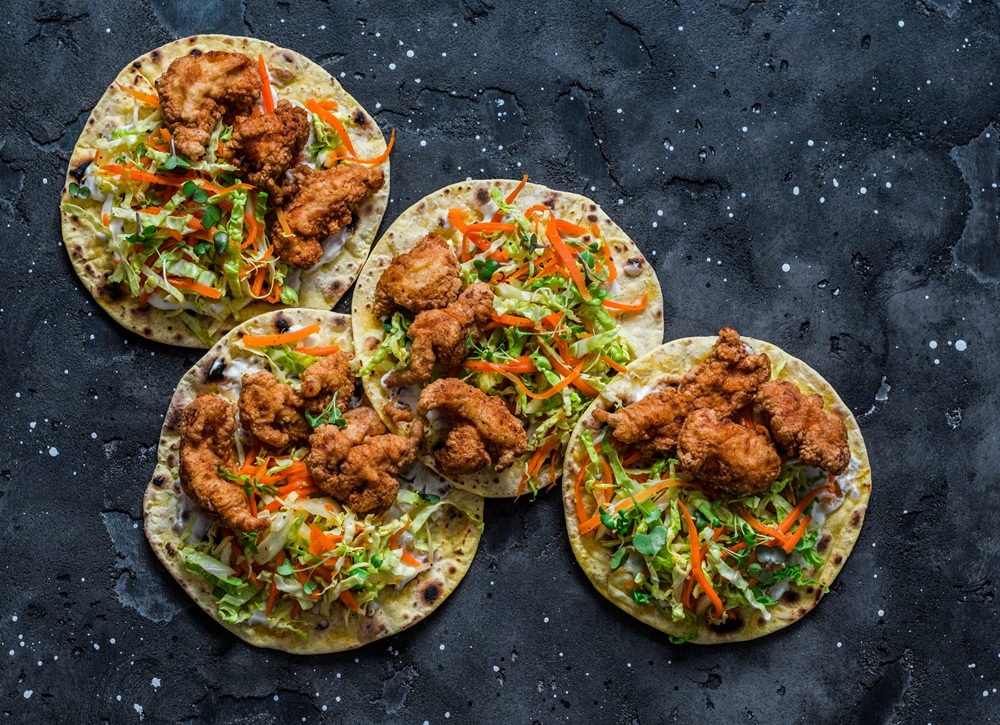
[[333, 245], [848, 480], [614, 289], [92, 182], [437, 423], [778, 590], [189, 512], [632, 269], [236, 368], [489, 210], [294, 279], [258, 617]]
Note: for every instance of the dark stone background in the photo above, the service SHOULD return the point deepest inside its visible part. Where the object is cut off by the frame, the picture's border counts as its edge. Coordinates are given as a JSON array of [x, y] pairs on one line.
[[851, 142]]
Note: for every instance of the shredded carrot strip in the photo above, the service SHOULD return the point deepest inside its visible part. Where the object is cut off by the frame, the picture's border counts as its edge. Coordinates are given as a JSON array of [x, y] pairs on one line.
[[284, 223], [649, 492], [562, 251], [696, 562], [612, 364], [382, 156], [561, 368], [265, 81], [794, 538], [205, 290], [349, 601], [334, 122], [272, 596], [788, 521], [570, 228], [258, 282], [408, 559], [318, 351], [627, 307], [510, 199], [513, 320], [270, 340], [760, 528], [536, 461], [519, 366], [147, 98], [489, 227]]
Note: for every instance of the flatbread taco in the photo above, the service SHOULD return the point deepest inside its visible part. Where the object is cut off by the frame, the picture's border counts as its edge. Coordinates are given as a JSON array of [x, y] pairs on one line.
[[220, 177], [498, 310], [715, 490], [284, 507]]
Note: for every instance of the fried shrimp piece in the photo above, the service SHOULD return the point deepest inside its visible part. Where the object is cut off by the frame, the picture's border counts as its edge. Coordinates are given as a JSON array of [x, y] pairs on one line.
[[727, 455], [272, 411], [801, 426], [651, 423], [728, 378], [207, 428], [425, 278], [264, 147], [332, 374], [359, 465], [483, 432], [441, 336], [197, 90], [324, 202]]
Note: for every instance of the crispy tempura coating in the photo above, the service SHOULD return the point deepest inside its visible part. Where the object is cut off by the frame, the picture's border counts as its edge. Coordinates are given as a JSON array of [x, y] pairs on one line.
[[197, 90], [483, 432], [728, 378], [651, 423], [359, 465], [264, 147], [425, 278], [324, 202], [332, 374], [724, 382], [802, 428], [442, 336], [207, 428], [727, 455], [272, 411]]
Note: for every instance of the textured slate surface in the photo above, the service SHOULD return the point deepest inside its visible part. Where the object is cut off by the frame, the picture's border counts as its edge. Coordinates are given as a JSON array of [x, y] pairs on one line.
[[821, 175]]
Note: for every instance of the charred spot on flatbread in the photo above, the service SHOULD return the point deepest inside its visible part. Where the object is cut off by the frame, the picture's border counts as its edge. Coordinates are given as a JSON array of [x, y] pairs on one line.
[[281, 323], [431, 592], [733, 624], [80, 170], [856, 517], [360, 118], [372, 628], [215, 371], [824, 543], [791, 596]]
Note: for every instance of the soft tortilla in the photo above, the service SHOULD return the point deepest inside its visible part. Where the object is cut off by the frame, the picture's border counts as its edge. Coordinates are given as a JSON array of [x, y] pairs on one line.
[[840, 531], [636, 277], [296, 78], [455, 535]]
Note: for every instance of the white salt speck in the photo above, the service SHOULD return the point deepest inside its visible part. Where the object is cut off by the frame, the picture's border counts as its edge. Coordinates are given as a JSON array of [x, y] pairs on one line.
[[888, 185], [936, 361], [275, 698], [659, 212], [835, 183], [881, 612], [53, 451], [972, 666], [744, 129], [863, 190], [28, 694], [96, 646], [680, 28], [11, 653], [107, 30], [901, 23], [447, 715], [138, 709], [409, 54], [495, 668], [822, 200], [619, 110], [839, 645], [932, 344], [392, 66], [155, 682], [795, 191], [440, 646], [93, 435], [423, 142], [809, 142], [960, 345], [13, 618], [45, 181], [986, 693], [337, 698], [786, 267], [546, 620]]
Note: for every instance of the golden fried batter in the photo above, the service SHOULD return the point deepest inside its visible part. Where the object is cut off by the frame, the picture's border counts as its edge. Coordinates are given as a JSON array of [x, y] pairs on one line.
[[425, 278], [272, 411], [332, 374], [207, 428], [442, 336], [728, 378], [724, 382], [197, 90], [727, 455], [483, 432], [650, 423], [803, 428], [264, 147], [359, 464], [324, 202]]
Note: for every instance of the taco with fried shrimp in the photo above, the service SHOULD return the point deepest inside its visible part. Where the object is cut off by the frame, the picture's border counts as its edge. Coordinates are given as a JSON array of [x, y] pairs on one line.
[[715, 490], [497, 311], [286, 509], [217, 178]]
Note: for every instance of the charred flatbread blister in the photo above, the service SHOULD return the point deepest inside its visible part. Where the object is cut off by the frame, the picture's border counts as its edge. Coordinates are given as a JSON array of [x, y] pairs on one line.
[[497, 310], [218, 178], [715, 490], [285, 507]]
